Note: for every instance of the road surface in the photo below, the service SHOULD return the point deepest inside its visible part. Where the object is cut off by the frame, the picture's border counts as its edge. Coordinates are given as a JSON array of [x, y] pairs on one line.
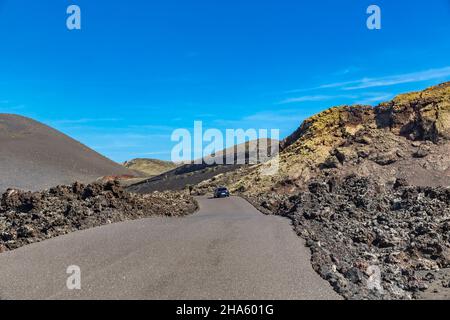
[[227, 250]]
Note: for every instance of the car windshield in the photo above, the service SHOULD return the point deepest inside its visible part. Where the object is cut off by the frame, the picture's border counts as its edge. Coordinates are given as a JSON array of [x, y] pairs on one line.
[[222, 189]]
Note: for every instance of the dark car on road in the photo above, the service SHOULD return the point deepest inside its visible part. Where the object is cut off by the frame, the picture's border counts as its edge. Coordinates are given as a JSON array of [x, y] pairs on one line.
[[221, 192]]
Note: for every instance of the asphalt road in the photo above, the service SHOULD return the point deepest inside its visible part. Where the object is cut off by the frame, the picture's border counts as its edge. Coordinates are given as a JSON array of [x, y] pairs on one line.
[[228, 250]]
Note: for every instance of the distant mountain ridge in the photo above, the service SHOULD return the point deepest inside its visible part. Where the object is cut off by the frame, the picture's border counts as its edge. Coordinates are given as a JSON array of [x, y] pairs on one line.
[[150, 167], [190, 174]]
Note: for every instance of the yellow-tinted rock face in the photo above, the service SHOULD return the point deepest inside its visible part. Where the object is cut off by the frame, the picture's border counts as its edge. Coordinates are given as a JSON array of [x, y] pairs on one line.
[[363, 139], [420, 115]]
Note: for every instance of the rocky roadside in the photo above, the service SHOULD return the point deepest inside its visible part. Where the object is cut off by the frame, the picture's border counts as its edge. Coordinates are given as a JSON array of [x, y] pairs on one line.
[[28, 217], [373, 241]]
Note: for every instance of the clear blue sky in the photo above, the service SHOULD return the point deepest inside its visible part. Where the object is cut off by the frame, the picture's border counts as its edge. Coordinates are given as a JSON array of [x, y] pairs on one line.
[[139, 69]]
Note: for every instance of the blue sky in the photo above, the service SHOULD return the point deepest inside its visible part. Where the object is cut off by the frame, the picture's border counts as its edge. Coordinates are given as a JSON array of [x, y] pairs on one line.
[[140, 69]]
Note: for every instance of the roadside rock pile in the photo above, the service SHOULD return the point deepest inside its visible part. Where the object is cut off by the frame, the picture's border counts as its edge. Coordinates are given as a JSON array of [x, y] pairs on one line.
[[27, 217], [359, 230]]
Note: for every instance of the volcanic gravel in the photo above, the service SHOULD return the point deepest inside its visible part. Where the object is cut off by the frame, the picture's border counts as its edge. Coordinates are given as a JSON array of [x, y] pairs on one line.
[[372, 241]]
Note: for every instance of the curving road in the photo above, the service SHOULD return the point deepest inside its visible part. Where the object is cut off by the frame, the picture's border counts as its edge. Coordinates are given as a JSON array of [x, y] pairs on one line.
[[228, 250]]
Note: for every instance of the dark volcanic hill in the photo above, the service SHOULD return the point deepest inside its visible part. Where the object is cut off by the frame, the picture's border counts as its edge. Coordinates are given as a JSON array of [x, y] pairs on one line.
[[34, 156]]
